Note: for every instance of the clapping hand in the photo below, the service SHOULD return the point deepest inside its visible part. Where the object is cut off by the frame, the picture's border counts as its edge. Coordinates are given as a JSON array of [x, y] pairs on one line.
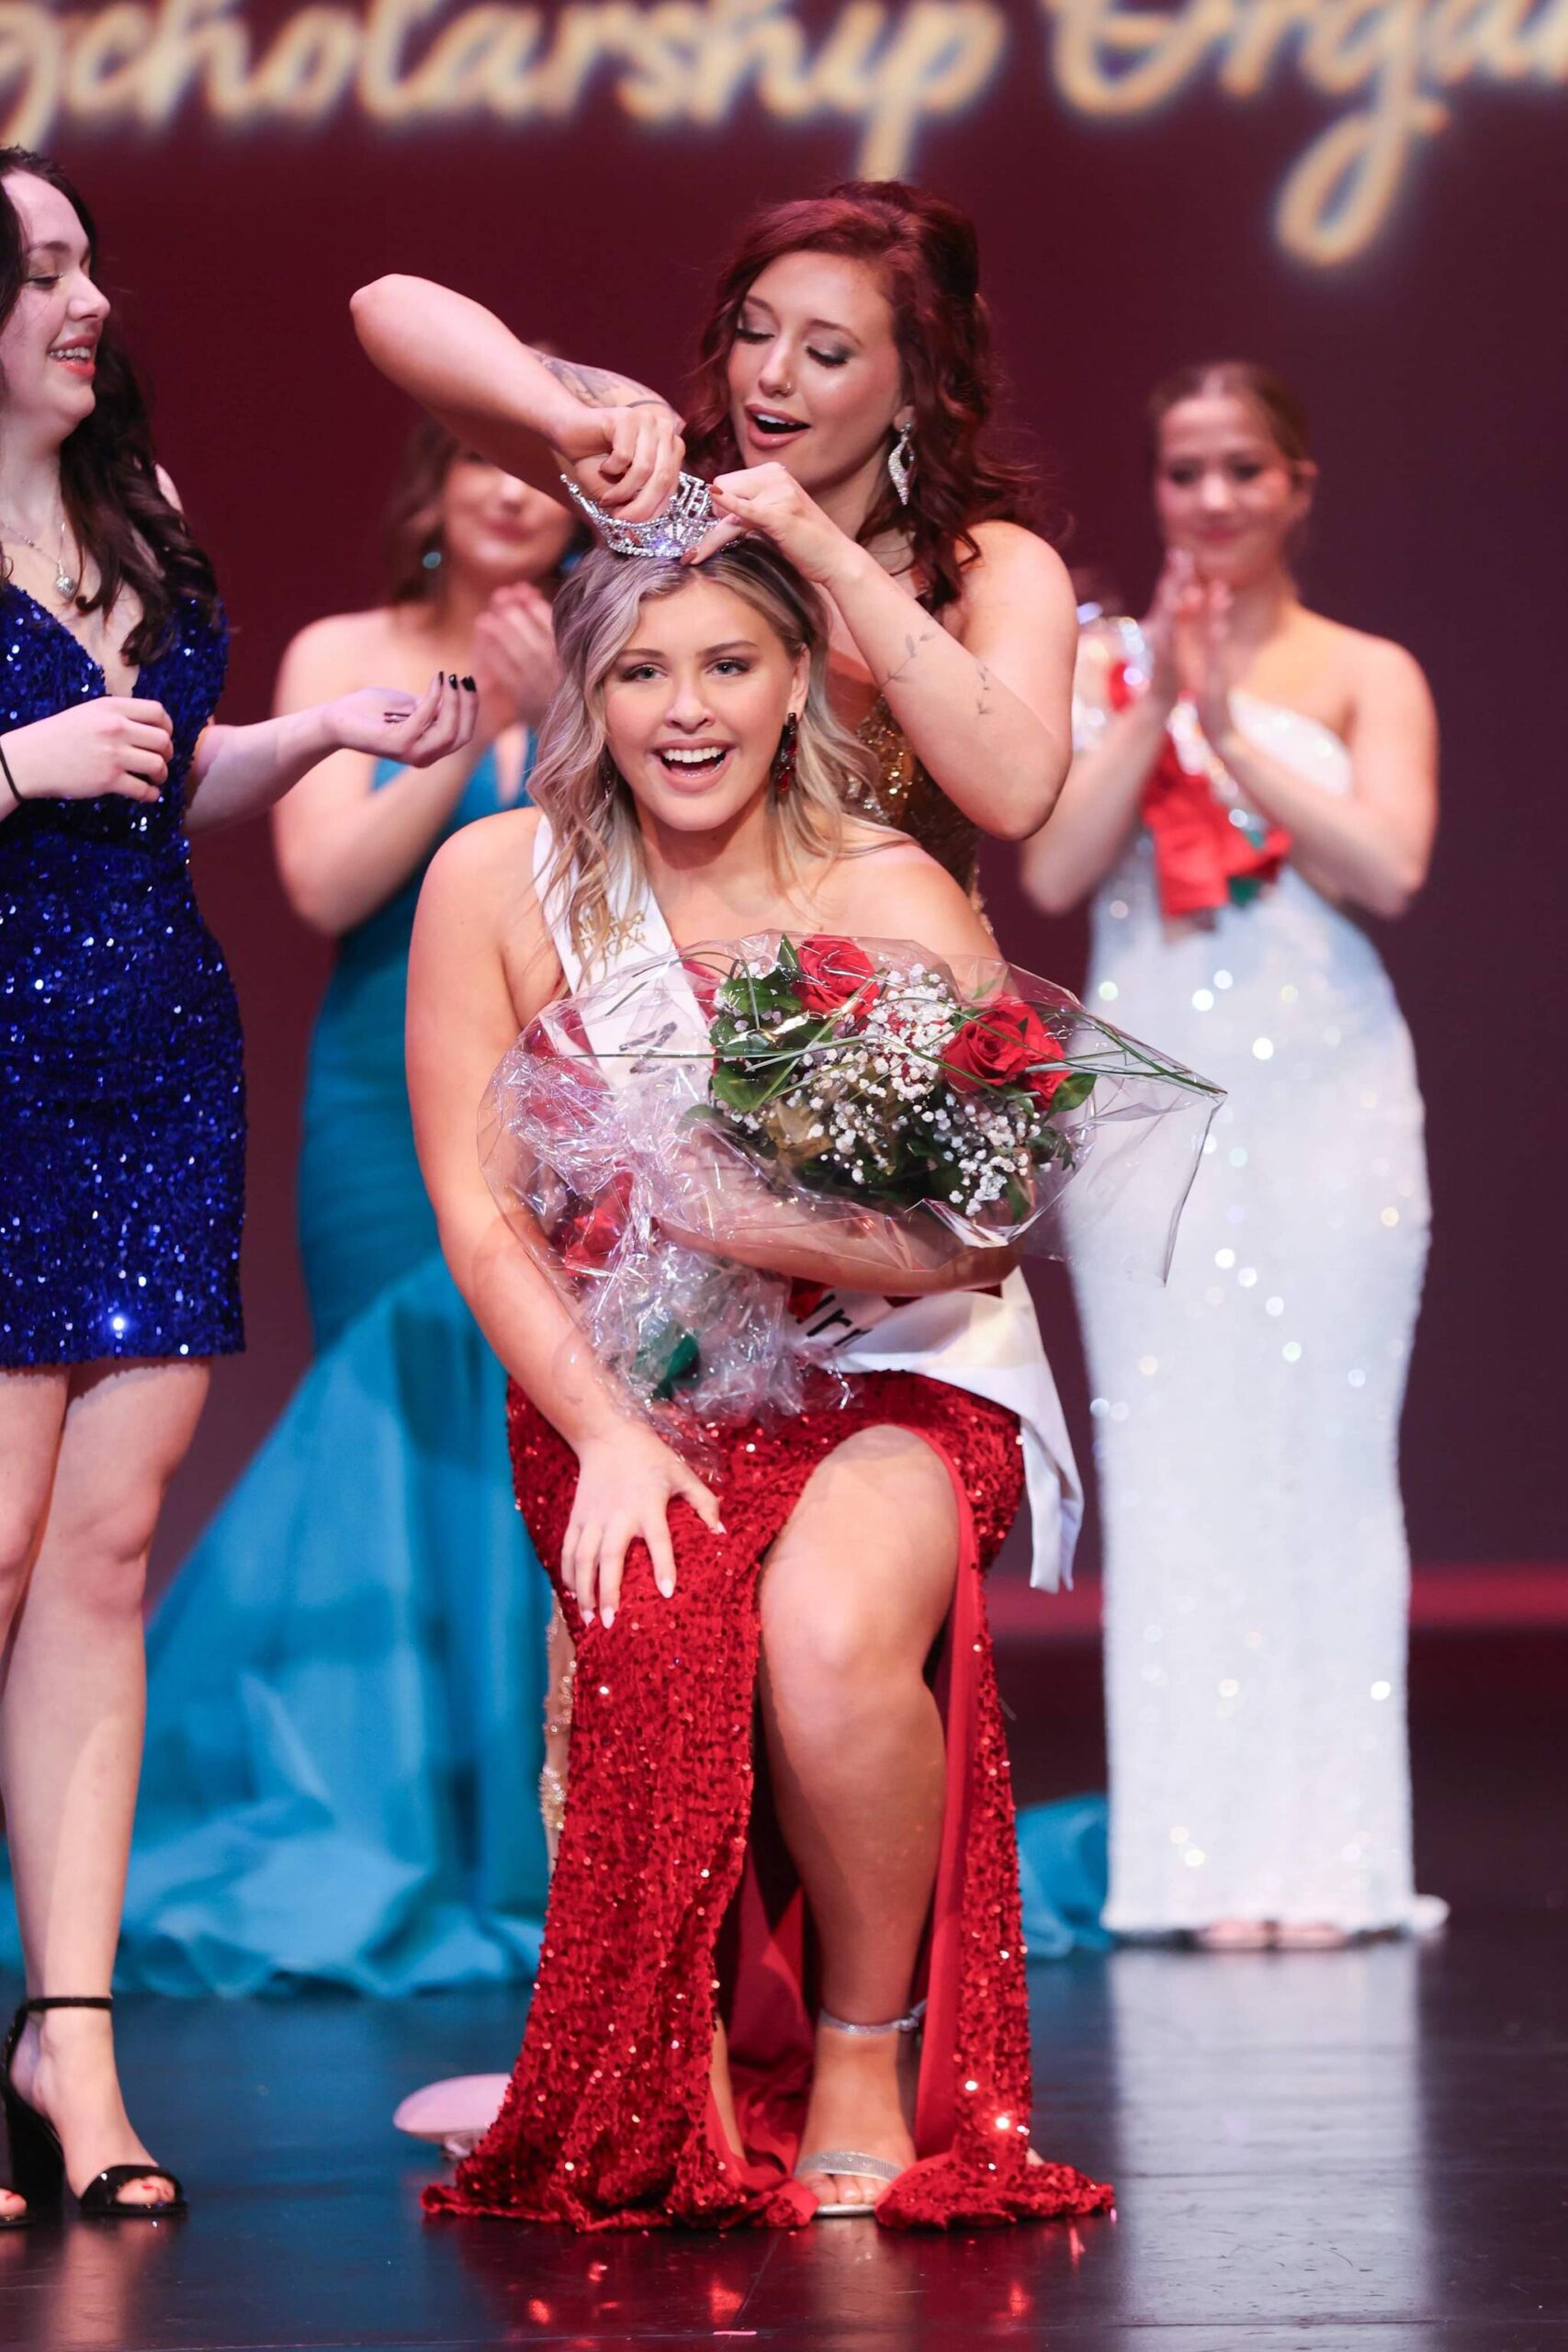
[[514, 658], [1212, 666], [1192, 655], [1178, 605]]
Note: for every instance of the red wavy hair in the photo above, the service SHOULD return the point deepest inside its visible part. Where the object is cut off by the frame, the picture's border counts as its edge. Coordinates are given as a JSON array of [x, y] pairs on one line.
[[927, 257]]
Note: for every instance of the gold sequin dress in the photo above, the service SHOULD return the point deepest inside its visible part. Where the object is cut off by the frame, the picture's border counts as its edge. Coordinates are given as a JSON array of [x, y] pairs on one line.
[[905, 794]]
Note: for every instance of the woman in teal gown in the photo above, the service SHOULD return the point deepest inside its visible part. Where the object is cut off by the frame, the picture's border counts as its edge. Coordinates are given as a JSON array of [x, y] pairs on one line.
[[345, 1679]]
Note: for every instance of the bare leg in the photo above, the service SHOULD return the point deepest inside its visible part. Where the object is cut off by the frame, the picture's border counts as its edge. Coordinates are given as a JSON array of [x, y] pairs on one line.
[[854, 1594], [1234, 1935], [32, 1416], [71, 1737], [560, 1670], [1261, 1935]]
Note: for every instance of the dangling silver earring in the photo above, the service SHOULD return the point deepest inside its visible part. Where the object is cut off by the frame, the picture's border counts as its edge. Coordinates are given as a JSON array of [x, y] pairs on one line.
[[901, 464]]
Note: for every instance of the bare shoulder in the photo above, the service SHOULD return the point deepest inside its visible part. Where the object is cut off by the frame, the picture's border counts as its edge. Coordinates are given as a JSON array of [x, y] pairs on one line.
[[1385, 667], [887, 887], [344, 637], [488, 866], [1015, 594], [339, 652], [479, 893], [1014, 559], [1386, 686], [1376, 664]]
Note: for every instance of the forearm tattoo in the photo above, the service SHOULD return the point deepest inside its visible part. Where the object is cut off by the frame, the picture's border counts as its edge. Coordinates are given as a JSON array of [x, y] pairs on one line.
[[598, 387], [911, 653], [983, 703]]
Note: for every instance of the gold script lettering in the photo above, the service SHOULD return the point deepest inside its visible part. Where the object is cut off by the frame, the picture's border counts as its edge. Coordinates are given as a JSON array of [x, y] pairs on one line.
[[1110, 57], [887, 66]]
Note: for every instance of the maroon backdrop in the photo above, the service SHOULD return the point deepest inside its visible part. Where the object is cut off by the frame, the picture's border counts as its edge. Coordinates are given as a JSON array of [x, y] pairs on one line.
[[1432, 365]]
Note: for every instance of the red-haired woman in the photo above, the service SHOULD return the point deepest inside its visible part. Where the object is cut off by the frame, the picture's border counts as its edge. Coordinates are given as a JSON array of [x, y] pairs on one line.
[[1254, 778], [843, 391]]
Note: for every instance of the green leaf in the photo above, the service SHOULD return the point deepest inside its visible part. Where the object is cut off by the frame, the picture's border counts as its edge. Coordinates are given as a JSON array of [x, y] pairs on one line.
[[666, 1355], [1073, 1091], [737, 1089]]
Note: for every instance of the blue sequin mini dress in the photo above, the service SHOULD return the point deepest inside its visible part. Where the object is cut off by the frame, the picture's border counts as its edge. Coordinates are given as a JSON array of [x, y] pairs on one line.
[[122, 1107]]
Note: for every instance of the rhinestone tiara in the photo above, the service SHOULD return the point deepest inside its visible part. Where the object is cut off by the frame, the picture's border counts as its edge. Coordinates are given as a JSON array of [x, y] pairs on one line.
[[672, 532]]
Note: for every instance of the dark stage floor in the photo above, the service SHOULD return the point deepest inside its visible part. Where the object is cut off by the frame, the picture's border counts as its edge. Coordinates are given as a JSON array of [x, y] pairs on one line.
[[1355, 2151]]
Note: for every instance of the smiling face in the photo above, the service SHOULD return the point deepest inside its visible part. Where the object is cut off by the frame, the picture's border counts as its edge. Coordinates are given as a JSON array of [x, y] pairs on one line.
[[695, 704], [48, 344], [496, 529], [814, 374], [1225, 492]]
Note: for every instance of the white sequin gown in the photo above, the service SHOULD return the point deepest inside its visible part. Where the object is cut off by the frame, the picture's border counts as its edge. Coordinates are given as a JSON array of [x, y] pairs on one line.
[[1246, 1417]]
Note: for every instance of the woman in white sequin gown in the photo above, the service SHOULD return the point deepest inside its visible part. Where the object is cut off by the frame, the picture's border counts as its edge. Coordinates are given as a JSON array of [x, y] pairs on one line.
[[1247, 1415]]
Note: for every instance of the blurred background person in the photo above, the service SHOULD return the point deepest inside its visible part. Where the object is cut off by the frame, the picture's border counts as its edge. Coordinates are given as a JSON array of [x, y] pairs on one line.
[[1253, 780], [347, 1674]]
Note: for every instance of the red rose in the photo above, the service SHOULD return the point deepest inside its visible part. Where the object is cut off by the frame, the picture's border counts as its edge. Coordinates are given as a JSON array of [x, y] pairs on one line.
[[1005, 1044], [834, 970], [590, 1234], [1044, 1082]]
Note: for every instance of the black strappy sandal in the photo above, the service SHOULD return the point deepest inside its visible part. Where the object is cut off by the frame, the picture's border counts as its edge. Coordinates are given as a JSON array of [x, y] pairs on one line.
[[38, 2162]]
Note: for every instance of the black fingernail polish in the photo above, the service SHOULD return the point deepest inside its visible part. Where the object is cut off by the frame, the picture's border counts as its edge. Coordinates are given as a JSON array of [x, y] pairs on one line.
[[470, 685]]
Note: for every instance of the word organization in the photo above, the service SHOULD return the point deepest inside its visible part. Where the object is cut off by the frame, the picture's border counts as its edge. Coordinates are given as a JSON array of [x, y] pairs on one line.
[[1385, 70]]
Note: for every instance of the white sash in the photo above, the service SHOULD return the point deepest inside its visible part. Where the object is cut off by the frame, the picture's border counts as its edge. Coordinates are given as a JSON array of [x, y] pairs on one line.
[[988, 1346]]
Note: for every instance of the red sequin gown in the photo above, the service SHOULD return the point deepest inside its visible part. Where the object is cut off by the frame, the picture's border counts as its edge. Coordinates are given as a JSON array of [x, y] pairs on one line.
[[674, 1900]]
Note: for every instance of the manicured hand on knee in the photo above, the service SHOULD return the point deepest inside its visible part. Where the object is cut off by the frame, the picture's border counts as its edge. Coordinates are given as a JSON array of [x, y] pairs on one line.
[[627, 1481]]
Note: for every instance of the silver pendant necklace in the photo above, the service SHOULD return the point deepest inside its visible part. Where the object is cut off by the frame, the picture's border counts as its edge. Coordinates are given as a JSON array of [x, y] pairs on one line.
[[66, 581]]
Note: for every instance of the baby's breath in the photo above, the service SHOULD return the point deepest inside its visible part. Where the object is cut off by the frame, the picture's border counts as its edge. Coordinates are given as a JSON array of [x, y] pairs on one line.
[[860, 1100]]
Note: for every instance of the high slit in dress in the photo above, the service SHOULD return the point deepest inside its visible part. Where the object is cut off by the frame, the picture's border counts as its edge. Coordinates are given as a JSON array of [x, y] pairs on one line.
[[674, 1900]]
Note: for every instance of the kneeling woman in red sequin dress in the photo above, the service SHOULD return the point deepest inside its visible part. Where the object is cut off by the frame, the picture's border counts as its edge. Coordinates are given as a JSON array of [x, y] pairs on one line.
[[782, 1970]]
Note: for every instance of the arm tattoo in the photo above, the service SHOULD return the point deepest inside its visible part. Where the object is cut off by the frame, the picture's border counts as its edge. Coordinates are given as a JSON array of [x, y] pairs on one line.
[[911, 650], [598, 387], [983, 704]]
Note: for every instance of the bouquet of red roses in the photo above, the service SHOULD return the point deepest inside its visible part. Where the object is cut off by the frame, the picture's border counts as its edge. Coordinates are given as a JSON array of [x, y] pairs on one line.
[[687, 1138], [889, 1081]]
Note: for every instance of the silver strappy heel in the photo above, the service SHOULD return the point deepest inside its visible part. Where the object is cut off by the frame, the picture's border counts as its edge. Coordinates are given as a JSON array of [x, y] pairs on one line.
[[854, 2161]]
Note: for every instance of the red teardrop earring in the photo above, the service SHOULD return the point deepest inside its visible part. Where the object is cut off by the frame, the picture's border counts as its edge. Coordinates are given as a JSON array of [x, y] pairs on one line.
[[783, 758]]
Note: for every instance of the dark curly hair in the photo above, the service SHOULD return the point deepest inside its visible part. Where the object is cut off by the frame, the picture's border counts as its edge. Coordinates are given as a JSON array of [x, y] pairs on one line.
[[114, 503], [926, 254]]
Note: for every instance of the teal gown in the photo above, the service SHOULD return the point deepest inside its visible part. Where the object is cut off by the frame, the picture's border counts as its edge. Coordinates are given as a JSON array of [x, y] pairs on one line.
[[346, 1681]]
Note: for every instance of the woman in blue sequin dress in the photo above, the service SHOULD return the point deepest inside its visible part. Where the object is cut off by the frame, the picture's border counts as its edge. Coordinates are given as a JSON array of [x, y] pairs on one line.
[[121, 1126], [346, 1676]]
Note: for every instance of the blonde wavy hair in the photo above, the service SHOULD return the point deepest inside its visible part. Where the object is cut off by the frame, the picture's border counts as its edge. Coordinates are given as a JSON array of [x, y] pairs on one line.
[[596, 860]]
